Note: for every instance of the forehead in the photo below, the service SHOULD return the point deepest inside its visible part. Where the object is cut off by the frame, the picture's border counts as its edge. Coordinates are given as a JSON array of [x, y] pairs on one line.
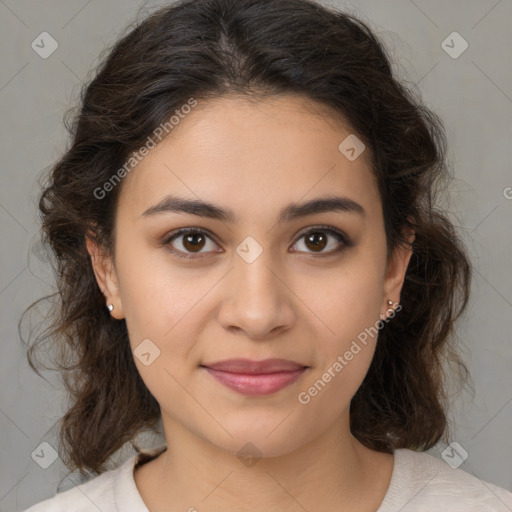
[[254, 154]]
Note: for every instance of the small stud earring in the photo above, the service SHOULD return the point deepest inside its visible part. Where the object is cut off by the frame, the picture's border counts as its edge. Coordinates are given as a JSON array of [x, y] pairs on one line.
[[383, 316], [110, 307]]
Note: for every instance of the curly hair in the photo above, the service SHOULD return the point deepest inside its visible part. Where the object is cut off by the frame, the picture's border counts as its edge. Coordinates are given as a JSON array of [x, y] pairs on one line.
[[207, 49]]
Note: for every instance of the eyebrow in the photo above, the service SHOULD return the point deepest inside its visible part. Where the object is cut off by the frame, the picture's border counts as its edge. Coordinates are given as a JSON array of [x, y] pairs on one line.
[[292, 211]]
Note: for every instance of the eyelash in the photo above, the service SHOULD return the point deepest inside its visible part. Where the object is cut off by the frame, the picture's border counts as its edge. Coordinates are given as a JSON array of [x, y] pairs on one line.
[[346, 242]]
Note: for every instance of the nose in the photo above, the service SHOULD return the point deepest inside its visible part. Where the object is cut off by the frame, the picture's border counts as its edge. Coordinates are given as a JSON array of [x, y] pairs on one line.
[[256, 300]]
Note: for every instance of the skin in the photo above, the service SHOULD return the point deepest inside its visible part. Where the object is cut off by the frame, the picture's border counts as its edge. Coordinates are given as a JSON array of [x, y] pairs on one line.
[[254, 158]]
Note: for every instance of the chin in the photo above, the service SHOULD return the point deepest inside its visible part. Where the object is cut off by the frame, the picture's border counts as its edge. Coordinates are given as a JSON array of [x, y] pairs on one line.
[[250, 448], [263, 438]]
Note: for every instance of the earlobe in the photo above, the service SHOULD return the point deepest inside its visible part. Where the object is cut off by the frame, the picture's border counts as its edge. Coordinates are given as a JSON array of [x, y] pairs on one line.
[[106, 277], [397, 268]]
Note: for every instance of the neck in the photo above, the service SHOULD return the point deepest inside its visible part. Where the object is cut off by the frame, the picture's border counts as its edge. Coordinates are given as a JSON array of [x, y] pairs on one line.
[[331, 472]]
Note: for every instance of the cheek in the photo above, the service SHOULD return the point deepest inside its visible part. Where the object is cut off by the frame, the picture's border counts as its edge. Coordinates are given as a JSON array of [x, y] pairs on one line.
[[155, 294], [329, 391], [347, 302], [344, 301], [344, 353], [164, 310]]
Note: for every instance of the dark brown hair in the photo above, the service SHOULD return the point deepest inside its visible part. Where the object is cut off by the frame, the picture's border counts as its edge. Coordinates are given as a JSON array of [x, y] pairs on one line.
[[207, 49]]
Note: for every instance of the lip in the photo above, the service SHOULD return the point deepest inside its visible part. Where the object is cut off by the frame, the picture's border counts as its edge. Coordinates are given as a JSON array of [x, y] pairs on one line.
[[256, 378], [259, 367]]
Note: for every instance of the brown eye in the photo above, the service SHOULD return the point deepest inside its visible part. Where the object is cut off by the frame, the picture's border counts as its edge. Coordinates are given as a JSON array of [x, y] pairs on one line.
[[189, 241], [193, 241], [317, 239]]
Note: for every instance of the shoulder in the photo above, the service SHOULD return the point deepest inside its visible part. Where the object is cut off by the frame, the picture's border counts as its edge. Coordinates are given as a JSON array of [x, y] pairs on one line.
[[98, 491], [421, 482], [105, 492]]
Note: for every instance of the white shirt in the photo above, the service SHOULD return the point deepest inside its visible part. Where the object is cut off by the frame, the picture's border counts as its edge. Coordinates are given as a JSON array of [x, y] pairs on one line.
[[419, 483]]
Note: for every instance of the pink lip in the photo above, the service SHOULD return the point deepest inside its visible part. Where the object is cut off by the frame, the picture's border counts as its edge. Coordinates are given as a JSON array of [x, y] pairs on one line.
[[256, 378]]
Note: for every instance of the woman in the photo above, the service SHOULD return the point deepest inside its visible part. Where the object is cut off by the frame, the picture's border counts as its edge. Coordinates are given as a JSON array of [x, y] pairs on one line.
[[249, 251]]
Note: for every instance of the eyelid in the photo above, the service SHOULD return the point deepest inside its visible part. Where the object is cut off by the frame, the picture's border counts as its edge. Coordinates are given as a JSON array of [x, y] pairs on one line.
[[331, 229], [343, 238], [182, 231]]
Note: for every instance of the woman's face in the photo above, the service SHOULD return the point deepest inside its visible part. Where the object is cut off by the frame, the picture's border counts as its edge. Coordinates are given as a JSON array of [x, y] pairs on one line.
[[267, 283]]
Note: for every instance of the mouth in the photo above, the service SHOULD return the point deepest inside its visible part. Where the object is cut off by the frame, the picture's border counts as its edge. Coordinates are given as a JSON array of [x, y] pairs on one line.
[[255, 378]]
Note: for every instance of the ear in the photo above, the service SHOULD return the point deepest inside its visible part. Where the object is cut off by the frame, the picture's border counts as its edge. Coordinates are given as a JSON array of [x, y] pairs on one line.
[[395, 273], [106, 276]]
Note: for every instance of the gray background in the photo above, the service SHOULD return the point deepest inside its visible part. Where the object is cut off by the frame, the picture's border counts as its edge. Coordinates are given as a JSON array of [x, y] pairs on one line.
[[472, 94]]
